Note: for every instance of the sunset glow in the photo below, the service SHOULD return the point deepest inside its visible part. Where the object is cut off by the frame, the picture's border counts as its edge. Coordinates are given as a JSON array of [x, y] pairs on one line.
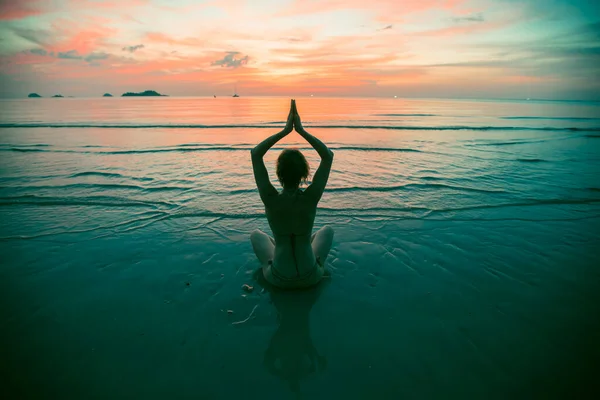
[[415, 48]]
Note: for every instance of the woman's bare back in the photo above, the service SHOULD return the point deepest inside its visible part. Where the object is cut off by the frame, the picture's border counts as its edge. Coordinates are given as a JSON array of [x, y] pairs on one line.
[[291, 217], [291, 213]]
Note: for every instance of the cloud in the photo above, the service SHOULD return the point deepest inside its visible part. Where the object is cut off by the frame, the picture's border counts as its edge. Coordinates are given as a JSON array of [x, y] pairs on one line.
[[72, 55], [16, 9], [37, 36], [292, 39], [69, 55], [380, 7], [386, 28], [469, 18], [132, 49], [39, 52], [230, 61], [292, 36], [96, 56]]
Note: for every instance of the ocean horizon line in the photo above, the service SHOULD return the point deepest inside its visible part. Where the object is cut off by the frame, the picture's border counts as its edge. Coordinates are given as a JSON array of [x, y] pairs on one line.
[[271, 126], [290, 96]]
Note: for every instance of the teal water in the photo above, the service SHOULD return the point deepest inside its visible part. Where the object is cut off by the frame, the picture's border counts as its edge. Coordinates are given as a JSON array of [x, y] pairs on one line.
[[465, 260]]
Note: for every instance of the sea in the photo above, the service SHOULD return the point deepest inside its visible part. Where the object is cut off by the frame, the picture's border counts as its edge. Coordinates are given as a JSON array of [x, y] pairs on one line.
[[464, 263]]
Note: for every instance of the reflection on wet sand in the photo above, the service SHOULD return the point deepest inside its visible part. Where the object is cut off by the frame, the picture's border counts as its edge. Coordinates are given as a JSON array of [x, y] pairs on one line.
[[291, 355]]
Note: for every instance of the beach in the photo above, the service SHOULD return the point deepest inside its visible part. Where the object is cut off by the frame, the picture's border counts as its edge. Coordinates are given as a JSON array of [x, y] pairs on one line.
[[462, 265]]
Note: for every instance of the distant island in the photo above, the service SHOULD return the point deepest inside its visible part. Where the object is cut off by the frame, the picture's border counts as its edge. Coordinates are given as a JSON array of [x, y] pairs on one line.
[[33, 95], [108, 95], [58, 95], [144, 94]]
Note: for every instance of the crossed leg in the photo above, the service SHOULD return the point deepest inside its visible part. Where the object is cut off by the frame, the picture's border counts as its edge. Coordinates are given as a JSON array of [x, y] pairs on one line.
[[321, 243], [264, 248], [263, 245]]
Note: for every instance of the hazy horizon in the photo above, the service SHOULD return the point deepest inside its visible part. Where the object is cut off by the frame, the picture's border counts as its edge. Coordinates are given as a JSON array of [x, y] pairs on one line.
[[284, 96], [478, 49]]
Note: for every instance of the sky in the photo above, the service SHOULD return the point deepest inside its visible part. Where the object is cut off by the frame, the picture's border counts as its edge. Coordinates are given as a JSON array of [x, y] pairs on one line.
[[547, 49]]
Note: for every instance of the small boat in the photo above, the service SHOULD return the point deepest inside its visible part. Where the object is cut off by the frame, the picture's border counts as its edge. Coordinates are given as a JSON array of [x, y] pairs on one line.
[[235, 92], [236, 95]]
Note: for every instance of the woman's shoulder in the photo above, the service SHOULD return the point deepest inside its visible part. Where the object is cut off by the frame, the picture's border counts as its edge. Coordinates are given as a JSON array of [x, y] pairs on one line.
[[295, 203], [299, 191]]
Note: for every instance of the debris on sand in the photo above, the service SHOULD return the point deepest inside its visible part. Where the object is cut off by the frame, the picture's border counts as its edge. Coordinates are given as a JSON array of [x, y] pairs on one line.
[[247, 319], [248, 288]]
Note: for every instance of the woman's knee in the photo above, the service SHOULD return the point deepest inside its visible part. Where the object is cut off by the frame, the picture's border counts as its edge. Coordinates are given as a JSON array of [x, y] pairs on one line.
[[255, 234], [327, 230]]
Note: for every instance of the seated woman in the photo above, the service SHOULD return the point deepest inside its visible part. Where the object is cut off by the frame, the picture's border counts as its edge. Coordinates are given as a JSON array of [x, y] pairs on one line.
[[293, 259]]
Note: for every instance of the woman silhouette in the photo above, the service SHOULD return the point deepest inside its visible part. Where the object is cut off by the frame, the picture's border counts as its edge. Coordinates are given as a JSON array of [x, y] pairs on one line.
[[294, 258]]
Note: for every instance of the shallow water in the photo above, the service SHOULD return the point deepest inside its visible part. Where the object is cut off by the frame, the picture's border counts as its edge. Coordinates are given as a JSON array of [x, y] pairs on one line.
[[464, 263]]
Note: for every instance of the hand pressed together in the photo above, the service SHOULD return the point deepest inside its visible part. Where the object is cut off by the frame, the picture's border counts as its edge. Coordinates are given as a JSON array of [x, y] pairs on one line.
[[293, 120], [289, 125]]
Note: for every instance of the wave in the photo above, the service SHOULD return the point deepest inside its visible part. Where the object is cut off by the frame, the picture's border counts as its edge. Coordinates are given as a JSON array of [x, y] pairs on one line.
[[592, 136], [509, 143], [108, 175], [168, 210], [23, 149], [394, 212], [212, 144], [396, 149], [409, 186], [258, 126], [106, 186], [405, 115], [94, 173], [228, 148], [531, 160], [137, 151], [104, 201], [351, 189], [532, 202], [26, 145], [372, 211], [553, 118], [191, 148]]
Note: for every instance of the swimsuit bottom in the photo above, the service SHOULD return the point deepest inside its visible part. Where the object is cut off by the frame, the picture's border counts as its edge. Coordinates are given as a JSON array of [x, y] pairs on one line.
[[300, 281]]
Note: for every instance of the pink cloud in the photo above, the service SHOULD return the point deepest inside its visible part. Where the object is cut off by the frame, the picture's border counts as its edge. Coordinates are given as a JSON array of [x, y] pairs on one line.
[[104, 4], [86, 35], [10, 10], [393, 8], [19, 9]]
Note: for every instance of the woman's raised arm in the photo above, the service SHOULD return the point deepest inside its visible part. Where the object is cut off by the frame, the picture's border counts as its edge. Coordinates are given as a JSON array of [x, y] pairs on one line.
[[261, 176], [261, 149], [316, 188], [319, 146]]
